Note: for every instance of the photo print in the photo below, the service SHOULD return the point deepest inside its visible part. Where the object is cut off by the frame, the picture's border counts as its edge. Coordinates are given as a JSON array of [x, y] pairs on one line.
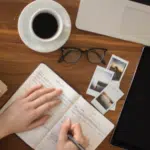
[[118, 66], [100, 80], [107, 98]]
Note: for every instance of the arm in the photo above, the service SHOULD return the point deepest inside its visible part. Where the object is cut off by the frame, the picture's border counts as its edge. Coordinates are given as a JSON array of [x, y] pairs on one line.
[[28, 111]]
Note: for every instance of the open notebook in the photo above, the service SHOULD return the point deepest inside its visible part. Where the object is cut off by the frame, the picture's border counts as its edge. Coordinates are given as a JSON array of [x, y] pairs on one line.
[[94, 125]]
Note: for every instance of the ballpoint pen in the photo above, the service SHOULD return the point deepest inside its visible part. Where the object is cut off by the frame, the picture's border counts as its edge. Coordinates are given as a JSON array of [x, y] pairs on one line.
[[75, 142]]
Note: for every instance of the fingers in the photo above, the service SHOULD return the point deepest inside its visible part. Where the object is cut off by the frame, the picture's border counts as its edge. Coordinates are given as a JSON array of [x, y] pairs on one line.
[[76, 128], [66, 126], [39, 122], [35, 88], [78, 135], [45, 108], [46, 98], [38, 93]]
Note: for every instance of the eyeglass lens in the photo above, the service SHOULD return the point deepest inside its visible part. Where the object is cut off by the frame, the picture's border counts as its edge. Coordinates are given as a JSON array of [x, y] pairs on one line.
[[95, 55], [72, 55]]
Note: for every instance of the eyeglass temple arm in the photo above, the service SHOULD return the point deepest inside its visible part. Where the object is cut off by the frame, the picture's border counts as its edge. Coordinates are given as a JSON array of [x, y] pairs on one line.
[[103, 61], [61, 59]]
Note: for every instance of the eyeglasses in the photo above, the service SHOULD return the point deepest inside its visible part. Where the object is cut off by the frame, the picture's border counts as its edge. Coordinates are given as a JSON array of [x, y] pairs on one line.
[[72, 55]]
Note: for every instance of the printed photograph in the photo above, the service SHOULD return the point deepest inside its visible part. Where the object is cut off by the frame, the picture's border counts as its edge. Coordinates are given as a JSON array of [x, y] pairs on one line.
[[100, 80], [105, 100], [118, 67]]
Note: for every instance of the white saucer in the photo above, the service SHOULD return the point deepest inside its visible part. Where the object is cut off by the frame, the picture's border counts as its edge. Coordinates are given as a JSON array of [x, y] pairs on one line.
[[31, 41]]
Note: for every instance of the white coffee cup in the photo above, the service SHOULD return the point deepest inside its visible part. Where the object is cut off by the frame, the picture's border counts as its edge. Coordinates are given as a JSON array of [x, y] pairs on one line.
[[59, 23], [30, 37]]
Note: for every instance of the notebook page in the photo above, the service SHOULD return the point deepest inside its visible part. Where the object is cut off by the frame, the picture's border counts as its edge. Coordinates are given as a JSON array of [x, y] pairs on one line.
[[44, 75], [94, 125]]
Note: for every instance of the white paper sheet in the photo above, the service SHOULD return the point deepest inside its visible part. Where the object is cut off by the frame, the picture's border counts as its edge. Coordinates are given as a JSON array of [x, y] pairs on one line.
[[94, 125]]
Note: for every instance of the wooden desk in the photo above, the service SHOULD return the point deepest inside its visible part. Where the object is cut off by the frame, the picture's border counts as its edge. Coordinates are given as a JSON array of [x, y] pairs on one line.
[[17, 61]]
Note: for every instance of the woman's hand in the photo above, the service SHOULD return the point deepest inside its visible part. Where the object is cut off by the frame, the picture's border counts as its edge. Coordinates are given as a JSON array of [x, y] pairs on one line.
[[75, 129], [28, 111]]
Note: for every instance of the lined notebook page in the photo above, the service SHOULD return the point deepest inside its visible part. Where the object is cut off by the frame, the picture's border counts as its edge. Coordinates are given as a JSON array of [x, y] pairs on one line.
[[44, 75], [94, 125]]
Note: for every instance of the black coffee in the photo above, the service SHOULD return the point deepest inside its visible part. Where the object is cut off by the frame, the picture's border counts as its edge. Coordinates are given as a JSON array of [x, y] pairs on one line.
[[45, 25]]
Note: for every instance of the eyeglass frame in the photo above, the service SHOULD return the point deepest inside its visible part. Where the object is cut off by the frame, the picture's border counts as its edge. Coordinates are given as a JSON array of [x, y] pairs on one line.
[[62, 58]]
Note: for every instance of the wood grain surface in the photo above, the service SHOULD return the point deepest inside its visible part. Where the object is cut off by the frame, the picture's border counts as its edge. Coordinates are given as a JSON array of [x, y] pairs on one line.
[[17, 61]]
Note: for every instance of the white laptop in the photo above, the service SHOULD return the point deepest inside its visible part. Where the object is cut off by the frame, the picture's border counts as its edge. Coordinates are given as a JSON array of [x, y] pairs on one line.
[[123, 19]]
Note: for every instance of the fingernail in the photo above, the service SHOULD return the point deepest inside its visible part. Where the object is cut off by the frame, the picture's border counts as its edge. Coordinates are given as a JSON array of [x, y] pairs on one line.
[[58, 101], [59, 90], [76, 124], [68, 120], [47, 117]]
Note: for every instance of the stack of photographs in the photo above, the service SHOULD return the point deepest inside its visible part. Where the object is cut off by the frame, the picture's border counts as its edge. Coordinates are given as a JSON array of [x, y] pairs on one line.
[[105, 84]]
